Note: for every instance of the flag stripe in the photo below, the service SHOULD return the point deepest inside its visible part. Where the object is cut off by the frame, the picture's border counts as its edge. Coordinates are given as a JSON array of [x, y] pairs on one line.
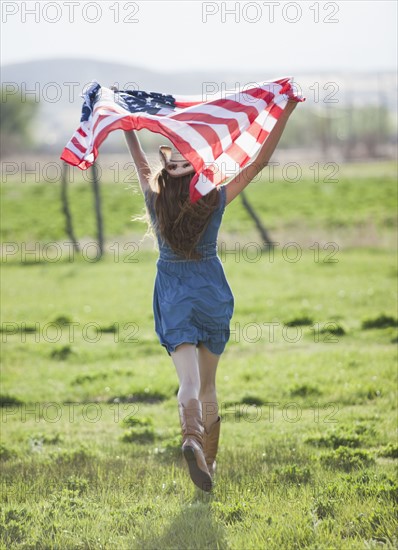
[[207, 118]]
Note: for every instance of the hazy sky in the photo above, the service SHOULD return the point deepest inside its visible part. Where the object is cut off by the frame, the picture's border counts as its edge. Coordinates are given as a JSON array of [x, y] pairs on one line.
[[176, 36]]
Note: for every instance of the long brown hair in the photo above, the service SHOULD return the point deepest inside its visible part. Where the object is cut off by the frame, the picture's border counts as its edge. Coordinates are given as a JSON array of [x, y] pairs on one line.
[[181, 223]]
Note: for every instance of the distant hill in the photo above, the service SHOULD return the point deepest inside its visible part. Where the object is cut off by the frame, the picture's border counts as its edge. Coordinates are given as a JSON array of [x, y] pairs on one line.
[[58, 84]]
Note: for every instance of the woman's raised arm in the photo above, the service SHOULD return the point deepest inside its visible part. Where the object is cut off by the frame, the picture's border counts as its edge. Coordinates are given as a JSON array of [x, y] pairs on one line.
[[245, 176], [140, 159]]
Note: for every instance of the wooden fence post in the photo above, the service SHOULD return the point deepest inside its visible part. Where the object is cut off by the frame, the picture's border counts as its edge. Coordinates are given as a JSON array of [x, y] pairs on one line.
[[98, 213], [65, 206], [263, 232]]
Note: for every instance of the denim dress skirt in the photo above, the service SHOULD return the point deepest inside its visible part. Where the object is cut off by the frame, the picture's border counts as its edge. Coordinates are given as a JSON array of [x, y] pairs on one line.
[[192, 300]]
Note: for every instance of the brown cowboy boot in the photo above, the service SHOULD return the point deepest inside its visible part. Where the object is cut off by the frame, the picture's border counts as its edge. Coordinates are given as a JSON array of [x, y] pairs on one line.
[[192, 443], [210, 445]]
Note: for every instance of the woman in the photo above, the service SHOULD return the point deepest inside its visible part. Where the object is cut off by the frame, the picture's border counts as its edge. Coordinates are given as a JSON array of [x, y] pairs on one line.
[[192, 302]]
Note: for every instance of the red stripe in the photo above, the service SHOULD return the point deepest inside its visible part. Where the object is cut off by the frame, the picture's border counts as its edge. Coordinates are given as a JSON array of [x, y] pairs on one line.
[[236, 107], [210, 136], [237, 154], [257, 132], [185, 104], [285, 88], [82, 132], [274, 110], [99, 120], [193, 192], [78, 145], [282, 81], [232, 123], [259, 93], [70, 157]]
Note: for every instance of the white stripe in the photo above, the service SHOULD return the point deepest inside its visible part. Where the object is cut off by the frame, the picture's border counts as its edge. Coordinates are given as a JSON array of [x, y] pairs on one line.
[[226, 166], [281, 100], [75, 150], [103, 110], [247, 143], [204, 185], [241, 118], [110, 119], [269, 123], [81, 139], [221, 130], [221, 112], [249, 101], [262, 118], [89, 157]]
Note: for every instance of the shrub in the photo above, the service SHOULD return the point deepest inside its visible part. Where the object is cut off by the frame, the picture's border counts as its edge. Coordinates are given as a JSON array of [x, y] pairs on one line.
[[139, 435], [7, 453], [335, 439], [390, 450], [76, 456], [333, 328], [89, 377], [111, 329], [381, 321], [230, 513], [9, 401], [139, 396], [300, 321], [62, 353], [304, 390], [14, 525], [134, 422], [347, 459], [292, 474], [77, 484], [252, 400], [62, 320], [140, 430], [323, 507]]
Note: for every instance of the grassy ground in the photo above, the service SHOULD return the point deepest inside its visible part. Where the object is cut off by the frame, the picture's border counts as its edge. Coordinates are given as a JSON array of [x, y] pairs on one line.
[[90, 434]]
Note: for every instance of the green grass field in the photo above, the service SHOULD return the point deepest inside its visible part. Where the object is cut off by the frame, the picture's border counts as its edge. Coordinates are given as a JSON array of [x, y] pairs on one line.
[[307, 385]]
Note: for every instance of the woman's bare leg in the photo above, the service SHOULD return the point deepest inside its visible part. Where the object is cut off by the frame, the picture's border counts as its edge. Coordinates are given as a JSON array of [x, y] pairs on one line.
[[208, 362], [185, 360]]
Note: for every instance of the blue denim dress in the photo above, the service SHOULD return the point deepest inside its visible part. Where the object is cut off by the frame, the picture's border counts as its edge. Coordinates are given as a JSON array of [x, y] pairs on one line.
[[192, 300]]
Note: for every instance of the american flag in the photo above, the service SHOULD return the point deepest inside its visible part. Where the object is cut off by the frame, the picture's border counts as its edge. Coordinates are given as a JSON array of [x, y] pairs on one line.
[[218, 137]]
